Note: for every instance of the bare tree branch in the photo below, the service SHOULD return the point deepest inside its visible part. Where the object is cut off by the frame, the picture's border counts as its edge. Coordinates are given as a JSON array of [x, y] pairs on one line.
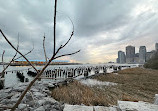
[[25, 54], [44, 49], [11, 60], [8, 65], [17, 50], [39, 73], [5, 107], [32, 82], [2, 73], [55, 7], [52, 58], [2, 58], [71, 33], [62, 46], [67, 54]]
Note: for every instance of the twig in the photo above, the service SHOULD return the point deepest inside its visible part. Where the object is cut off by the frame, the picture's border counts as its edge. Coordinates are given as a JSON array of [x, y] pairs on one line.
[[39, 73], [55, 7], [52, 58], [32, 82], [17, 50], [11, 60], [71, 33], [44, 48], [25, 54], [5, 107], [2, 58], [73, 28], [32, 96], [67, 54], [62, 46]]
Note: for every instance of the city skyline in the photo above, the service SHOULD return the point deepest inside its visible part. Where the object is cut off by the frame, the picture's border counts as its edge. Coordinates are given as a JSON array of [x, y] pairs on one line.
[[135, 57]]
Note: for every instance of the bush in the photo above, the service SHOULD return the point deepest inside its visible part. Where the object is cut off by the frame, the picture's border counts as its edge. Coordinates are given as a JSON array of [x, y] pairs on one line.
[[153, 62]]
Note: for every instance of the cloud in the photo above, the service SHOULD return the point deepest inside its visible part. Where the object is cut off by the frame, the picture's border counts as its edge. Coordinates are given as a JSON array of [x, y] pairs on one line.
[[101, 27]]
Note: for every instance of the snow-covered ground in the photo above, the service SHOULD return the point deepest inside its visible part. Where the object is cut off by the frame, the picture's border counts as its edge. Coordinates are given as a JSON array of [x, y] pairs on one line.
[[94, 82], [122, 106], [137, 106], [88, 108]]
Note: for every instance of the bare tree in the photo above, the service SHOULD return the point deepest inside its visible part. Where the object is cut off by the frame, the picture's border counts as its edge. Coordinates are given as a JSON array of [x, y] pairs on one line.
[[2, 74], [4, 68], [17, 50], [13, 59], [55, 11], [44, 49], [3, 58], [25, 54], [54, 56]]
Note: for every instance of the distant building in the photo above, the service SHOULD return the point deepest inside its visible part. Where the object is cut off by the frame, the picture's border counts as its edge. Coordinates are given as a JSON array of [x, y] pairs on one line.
[[121, 57], [130, 54], [136, 58], [142, 54], [117, 60], [156, 46], [38, 62]]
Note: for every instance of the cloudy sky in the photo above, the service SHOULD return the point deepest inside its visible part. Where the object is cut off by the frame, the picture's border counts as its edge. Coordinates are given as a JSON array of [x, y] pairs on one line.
[[102, 27]]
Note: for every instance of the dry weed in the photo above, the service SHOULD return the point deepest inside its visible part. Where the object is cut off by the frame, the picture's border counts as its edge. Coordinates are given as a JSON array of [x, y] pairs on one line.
[[135, 84]]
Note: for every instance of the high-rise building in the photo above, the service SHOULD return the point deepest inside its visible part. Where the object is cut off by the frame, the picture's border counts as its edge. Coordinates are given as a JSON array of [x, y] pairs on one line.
[[136, 58], [142, 54], [117, 61], [156, 46], [130, 54], [121, 57]]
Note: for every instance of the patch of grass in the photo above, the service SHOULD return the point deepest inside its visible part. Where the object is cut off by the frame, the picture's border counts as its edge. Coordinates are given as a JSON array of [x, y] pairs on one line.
[[134, 84], [137, 82], [76, 93]]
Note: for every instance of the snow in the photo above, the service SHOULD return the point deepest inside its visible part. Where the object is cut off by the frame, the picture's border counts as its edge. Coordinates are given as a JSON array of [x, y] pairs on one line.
[[94, 82], [156, 99], [78, 108], [88, 108], [115, 73], [137, 106]]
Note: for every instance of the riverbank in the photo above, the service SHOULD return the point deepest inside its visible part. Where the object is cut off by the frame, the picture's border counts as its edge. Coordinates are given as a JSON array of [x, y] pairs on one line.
[[37, 99], [90, 94], [135, 84]]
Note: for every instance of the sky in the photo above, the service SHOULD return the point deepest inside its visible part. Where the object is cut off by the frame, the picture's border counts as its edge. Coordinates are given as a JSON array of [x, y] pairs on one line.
[[102, 27]]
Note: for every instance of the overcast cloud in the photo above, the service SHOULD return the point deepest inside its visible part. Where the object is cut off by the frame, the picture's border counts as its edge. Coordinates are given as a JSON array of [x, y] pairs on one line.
[[102, 27]]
